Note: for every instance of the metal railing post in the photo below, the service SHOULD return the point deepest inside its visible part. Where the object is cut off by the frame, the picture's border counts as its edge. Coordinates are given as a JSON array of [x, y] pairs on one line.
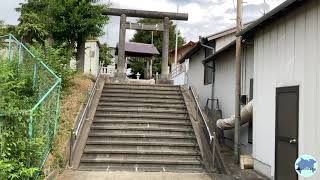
[[20, 54], [213, 148], [34, 75], [57, 109], [71, 147]]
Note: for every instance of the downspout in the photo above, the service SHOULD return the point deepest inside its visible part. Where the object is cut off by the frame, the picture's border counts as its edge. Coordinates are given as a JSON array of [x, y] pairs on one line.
[[202, 43]]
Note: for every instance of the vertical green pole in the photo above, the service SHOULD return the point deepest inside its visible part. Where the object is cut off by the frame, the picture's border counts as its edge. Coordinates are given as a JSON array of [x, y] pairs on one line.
[[34, 75], [57, 109], [20, 54], [30, 137], [10, 48], [1, 137], [30, 125]]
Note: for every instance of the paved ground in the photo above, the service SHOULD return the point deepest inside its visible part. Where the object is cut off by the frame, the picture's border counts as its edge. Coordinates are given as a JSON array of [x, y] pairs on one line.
[[235, 171], [101, 175]]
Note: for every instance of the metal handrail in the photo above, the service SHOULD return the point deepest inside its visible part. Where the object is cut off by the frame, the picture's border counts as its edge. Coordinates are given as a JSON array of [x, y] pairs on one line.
[[75, 131], [211, 135], [201, 113], [88, 104]]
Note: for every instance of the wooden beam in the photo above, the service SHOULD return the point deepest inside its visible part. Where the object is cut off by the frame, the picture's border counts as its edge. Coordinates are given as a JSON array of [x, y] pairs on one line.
[[145, 27], [146, 14]]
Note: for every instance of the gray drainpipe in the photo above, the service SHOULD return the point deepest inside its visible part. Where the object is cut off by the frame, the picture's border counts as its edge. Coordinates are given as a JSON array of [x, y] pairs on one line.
[[202, 43]]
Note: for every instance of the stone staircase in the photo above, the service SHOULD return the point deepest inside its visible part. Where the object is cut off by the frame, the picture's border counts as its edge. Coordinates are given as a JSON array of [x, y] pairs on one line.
[[141, 128]]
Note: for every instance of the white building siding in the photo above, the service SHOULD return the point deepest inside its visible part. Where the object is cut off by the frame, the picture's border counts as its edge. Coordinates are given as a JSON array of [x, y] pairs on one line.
[[91, 60], [224, 88], [196, 77], [224, 82], [287, 54]]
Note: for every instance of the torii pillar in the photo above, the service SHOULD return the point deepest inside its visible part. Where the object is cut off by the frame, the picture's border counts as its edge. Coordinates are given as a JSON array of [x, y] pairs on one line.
[[124, 13], [165, 50], [121, 73]]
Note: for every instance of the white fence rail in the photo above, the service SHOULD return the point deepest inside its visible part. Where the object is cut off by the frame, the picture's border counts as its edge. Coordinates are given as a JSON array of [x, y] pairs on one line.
[[178, 74], [103, 70], [109, 70]]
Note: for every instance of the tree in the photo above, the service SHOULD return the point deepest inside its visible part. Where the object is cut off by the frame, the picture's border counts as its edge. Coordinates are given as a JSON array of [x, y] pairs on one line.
[[32, 29], [146, 37], [105, 55], [6, 29], [74, 21], [69, 22], [33, 21]]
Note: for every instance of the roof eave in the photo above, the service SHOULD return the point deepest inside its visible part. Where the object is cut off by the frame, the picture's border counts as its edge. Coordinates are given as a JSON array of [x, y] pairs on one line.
[[211, 57], [190, 53]]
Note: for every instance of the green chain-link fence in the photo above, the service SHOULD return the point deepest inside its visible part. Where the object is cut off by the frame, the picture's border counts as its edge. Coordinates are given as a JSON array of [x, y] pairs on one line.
[[39, 122]]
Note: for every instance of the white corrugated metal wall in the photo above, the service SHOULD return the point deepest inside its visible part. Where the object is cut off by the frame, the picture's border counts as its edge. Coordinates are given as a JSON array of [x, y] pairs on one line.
[[225, 87], [286, 53], [196, 77]]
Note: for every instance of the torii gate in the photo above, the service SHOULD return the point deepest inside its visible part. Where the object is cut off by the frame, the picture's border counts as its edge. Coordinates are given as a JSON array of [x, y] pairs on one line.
[[124, 13]]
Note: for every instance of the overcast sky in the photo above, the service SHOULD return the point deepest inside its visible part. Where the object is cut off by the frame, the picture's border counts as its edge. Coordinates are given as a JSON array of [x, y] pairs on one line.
[[205, 16]]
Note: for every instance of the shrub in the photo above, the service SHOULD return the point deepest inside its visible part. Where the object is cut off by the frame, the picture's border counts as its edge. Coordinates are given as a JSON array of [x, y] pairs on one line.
[[16, 95], [58, 59]]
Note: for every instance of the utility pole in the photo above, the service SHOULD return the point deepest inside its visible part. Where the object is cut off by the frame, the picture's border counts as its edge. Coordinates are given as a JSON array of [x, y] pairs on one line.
[[238, 86]]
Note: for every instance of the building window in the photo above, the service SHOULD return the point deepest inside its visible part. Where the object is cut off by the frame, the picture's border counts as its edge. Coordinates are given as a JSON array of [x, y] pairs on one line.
[[208, 72]]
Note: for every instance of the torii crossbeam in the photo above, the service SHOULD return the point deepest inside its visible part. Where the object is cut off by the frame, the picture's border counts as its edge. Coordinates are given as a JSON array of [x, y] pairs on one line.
[[124, 13]]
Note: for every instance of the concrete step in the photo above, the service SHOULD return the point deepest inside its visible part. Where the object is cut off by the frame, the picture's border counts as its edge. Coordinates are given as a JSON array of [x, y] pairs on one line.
[[141, 160], [140, 84], [141, 128], [141, 167], [142, 134], [146, 121], [141, 131], [142, 87], [140, 100], [144, 125], [141, 139], [142, 115], [174, 89], [140, 110], [144, 96], [141, 150], [142, 142], [139, 156], [145, 105], [140, 91]]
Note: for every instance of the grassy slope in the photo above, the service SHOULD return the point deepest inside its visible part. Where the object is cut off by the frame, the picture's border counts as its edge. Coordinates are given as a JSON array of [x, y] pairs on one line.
[[71, 102]]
